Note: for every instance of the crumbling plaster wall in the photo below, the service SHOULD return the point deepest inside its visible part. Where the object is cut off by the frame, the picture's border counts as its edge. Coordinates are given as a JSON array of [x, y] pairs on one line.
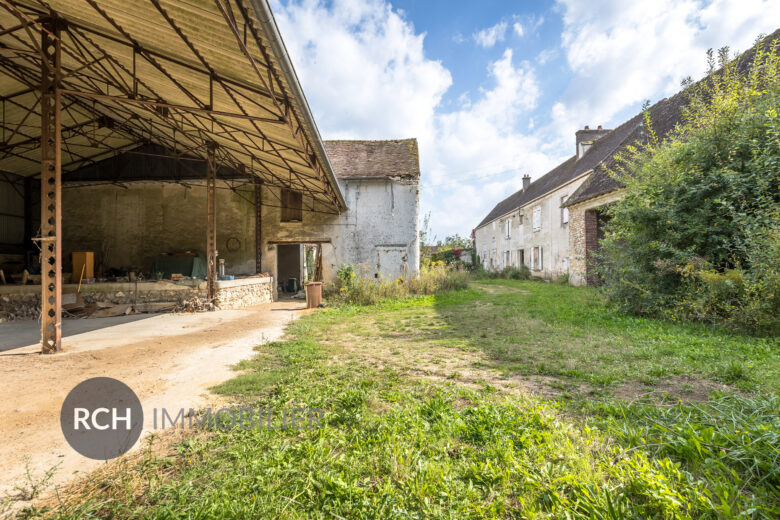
[[378, 233], [577, 238], [139, 220]]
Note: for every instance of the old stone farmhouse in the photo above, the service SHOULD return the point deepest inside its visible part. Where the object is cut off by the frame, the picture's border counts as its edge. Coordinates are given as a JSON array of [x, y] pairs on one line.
[[530, 227], [554, 224]]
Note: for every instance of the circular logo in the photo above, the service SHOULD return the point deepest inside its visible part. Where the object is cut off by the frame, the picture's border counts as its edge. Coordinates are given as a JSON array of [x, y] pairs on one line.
[[102, 418]]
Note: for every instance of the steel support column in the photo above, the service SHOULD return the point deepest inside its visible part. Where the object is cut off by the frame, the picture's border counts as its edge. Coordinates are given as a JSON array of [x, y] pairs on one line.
[[211, 224], [258, 226], [51, 211]]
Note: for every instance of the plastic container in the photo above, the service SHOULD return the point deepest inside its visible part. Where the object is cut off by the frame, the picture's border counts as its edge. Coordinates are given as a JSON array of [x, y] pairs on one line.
[[313, 294]]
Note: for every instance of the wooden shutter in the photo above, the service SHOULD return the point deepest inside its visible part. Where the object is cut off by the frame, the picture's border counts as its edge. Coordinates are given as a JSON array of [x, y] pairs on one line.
[[292, 206]]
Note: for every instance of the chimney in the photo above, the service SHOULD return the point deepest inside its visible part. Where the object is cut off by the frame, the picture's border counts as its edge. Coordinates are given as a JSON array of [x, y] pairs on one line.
[[526, 181], [586, 137]]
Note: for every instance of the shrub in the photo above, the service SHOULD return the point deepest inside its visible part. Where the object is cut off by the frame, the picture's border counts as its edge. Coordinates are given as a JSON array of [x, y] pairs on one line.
[[433, 278], [507, 273], [516, 273], [696, 236]]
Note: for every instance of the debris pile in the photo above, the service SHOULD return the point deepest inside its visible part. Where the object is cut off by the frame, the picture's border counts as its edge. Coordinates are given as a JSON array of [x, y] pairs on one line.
[[196, 304], [16, 309]]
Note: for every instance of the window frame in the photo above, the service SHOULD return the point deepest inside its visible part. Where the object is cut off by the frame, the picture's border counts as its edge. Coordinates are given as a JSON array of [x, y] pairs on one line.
[[291, 206], [537, 260], [537, 219]]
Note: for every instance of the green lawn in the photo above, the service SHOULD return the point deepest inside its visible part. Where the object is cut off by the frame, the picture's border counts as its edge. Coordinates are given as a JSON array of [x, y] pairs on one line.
[[507, 400]]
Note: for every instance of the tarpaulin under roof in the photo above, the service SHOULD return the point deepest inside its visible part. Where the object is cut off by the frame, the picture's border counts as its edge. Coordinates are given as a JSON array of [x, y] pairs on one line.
[[174, 73]]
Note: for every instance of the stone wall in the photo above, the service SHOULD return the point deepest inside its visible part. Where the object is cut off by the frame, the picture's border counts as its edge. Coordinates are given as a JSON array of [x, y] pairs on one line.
[[580, 240], [24, 301], [247, 292], [20, 306], [130, 225]]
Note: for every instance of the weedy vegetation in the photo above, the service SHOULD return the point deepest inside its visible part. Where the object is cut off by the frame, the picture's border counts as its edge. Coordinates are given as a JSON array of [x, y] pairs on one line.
[[427, 416], [696, 237]]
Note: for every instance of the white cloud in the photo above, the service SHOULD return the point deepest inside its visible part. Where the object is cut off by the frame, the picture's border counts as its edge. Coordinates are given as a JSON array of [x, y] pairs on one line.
[[489, 37], [365, 74], [518, 28], [625, 52], [546, 55], [362, 67]]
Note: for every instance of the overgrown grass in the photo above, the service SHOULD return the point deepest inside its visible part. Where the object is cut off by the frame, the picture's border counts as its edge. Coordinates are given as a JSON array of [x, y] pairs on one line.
[[437, 277], [419, 424], [571, 333]]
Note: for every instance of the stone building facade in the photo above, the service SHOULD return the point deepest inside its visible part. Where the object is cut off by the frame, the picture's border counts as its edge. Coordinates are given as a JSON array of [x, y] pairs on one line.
[[531, 226], [379, 233]]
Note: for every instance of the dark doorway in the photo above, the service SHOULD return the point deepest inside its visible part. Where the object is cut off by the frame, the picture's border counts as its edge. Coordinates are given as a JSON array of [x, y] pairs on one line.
[[288, 266], [595, 225]]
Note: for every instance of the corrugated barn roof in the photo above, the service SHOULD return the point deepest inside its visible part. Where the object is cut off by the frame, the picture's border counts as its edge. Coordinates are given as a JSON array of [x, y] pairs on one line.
[[178, 74]]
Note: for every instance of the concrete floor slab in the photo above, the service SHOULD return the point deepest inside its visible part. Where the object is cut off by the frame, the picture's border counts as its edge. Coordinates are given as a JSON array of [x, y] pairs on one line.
[[169, 360]]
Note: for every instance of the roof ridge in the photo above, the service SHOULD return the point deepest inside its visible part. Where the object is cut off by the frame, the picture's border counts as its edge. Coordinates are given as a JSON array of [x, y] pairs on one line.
[[402, 139]]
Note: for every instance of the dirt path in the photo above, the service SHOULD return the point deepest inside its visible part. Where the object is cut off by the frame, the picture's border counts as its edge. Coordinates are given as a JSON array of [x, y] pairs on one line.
[[169, 360]]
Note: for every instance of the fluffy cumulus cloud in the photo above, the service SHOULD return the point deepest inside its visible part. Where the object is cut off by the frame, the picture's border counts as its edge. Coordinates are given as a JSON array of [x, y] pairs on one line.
[[622, 53], [479, 139], [366, 76], [362, 67], [492, 35]]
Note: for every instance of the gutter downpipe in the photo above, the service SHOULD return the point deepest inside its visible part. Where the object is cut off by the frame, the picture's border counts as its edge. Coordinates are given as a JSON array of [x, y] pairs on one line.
[[266, 18]]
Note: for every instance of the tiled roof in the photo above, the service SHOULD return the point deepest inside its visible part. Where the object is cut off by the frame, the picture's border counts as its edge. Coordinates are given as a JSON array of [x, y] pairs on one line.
[[398, 158], [565, 172], [601, 156], [664, 115]]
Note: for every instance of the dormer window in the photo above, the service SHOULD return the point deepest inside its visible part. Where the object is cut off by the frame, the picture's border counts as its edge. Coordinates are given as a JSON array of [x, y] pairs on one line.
[[584, 147]]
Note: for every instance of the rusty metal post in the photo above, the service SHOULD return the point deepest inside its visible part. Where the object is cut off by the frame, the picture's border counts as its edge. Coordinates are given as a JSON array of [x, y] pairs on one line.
[[51, 210], [211, 224], [258, 226]]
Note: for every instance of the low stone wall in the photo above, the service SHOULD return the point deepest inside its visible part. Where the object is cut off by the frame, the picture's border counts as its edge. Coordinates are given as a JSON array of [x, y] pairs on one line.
[[244, 292], [24, 301]]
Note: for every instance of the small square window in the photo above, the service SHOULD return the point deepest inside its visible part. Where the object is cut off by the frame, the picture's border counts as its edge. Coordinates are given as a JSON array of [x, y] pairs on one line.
[[292, 206]]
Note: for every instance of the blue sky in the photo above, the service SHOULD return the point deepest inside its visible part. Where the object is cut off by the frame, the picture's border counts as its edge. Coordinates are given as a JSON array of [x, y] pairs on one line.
[[493, 90]]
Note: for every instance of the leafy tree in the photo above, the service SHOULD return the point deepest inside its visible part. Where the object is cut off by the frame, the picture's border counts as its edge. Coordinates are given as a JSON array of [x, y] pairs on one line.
[[455, 242], [698, 232]]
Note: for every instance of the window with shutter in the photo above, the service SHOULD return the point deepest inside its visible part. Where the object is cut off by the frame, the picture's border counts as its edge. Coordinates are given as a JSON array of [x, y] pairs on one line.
[[537, 218]]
